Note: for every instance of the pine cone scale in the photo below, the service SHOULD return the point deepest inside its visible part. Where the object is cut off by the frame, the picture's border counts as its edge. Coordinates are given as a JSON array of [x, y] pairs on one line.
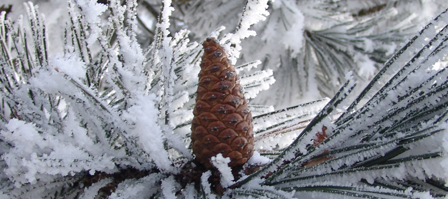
[[222, 121]]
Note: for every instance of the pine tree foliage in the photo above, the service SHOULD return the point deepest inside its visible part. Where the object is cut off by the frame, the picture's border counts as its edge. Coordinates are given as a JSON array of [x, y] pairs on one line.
[[107, 118], [313, 44], [394, 141], [107, 104]]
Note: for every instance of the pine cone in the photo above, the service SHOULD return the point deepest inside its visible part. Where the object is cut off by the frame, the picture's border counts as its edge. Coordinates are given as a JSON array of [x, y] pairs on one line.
[[222, 121]]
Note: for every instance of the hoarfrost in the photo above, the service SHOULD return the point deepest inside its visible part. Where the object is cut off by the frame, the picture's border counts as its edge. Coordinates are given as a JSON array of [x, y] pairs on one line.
[[423, 195], [257, 159], [169, 187], [366, 66], [221, 164], [70, 64], [190, 192], [292, 38], [206, 185], [92, 191], [279, 129], [91, 11], [71, 139], [256, 184], [255, 11], [35, 155], [256, 82], [139, 189], [150, 136]]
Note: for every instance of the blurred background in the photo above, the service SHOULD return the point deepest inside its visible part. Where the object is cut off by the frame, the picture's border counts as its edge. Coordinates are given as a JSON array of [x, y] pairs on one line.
[[310, 45]]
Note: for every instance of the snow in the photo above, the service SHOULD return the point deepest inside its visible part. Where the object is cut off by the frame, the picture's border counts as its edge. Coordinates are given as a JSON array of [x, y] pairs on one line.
[[36, 154], [57, 128], [168, 188], [287, 125], [221, 164], [142, 188], [206, 185], [423, 195], [190, 192], [256, 82], [257, 159], [92, 191], [3, 196], [247, 66], [293, 37], [91, 10], [70, 64], [367, 67], [444, 145], [143, 116], [254, 12], [256, 185]]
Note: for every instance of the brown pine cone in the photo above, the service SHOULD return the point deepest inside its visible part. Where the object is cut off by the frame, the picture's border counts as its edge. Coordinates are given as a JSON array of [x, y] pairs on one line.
[[222, 121]]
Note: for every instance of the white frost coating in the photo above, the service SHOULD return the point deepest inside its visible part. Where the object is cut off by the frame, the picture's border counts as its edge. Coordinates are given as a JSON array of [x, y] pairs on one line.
[[89, 143], [189, 192], [301, 111], [179, 101], [131, 52], [165, 22], [221, 164], [30, 159], [177, 142], [255, 77], [293, 37], [255, 11], [142, 188], [91, 10], [255, 184], [368, 45], [289, 124], [165, 55], [273, 142], [4, 196], [144, 116], [366, 65], [247, 66], [49, 81], [130, 191], [308, 139], [168, 188], [336, 163], [257, 159], [70, 64], [92, 191], [256, 82], [260, 109], [423, 195], [215, 33], [444, 162], [206, 185]]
